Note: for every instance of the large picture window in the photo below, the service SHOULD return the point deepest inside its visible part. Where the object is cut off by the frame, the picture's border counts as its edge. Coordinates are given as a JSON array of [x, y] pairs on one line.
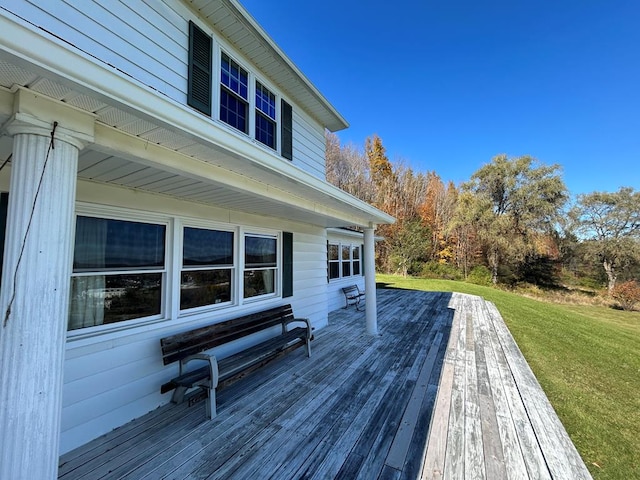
[[260, 265], [207, 267], [153, 268], [118, 271], [234, 94], [343, 260]]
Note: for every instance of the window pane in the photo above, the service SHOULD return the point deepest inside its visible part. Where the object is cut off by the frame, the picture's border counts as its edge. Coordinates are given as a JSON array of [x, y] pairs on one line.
[[234, 77], [233, 110], [356, 267], [346, 269], [265, 101], [334, 270], [346, 252], [356, 253], [259, 282], [207, 247], [260, 251], [265, 130], [103, 299], [333, 252], [105, 244], [199, 288]]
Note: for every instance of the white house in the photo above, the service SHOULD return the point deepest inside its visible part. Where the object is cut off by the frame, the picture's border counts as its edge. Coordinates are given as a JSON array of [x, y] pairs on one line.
[[161, 167]]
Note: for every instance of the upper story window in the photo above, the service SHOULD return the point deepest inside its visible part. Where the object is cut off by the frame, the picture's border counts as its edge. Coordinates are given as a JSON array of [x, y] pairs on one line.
[[118, 271], [251, 112], [234, 94], [207, 267], [265, 116]]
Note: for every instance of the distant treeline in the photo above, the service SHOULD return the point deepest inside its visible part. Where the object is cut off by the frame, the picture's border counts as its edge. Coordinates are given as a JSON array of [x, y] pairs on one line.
[[512, 222]]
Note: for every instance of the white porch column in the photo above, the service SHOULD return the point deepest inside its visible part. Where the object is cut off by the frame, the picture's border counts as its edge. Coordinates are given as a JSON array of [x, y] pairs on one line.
[[371, 311], [34, 297]]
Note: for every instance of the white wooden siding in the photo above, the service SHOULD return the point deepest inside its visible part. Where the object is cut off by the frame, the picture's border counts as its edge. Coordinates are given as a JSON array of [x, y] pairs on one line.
[[145, 43], [308, 144], [115, 377]]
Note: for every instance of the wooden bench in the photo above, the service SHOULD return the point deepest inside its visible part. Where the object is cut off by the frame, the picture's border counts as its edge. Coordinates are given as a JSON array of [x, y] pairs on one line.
[[353, 296], [191, 345]]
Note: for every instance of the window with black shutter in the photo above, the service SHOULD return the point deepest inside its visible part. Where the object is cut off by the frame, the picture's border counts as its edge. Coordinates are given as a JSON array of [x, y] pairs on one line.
[[286, 130], [199, 91]]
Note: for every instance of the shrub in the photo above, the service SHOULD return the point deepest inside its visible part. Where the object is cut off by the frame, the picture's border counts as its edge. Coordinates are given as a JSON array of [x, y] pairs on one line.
[[627, 294], [440, 270], [480, 275]]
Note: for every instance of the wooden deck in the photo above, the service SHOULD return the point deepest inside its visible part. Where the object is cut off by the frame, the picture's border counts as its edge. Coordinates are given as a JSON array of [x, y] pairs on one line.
[[443, 392]]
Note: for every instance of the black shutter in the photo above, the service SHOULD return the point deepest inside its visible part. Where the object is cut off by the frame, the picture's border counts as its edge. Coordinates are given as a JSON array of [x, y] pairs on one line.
[[287, 264], [199, 92], [286, 131], [362, 260], [4, 202]]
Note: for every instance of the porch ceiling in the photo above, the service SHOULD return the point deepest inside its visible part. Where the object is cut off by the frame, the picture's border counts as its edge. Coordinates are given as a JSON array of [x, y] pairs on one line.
[[134, 150]]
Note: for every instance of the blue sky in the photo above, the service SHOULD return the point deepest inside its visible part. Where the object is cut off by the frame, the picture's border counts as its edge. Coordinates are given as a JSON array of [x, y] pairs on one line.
[[448, 84]]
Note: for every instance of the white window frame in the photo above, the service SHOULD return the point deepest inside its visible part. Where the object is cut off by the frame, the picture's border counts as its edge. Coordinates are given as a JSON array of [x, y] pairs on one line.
[[223, 49], [277, 277], [172, 270], [113, 213], [341, 262], [179, 267]]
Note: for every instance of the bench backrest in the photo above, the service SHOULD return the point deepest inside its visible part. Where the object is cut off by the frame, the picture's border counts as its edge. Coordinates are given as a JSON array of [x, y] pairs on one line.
[[353, 289], [181, 345]]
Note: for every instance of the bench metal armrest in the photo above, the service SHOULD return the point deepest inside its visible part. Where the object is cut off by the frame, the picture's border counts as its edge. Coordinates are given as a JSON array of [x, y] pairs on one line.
[[213, 366], [306, 321]]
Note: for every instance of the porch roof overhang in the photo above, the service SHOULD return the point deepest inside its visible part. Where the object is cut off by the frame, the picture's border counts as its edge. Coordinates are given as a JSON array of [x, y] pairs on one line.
[[147, 141]]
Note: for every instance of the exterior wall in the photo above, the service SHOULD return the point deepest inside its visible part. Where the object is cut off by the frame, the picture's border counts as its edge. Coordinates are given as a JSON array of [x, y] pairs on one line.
[[148, 41], [114, 377], [335, 297], [308, 144]]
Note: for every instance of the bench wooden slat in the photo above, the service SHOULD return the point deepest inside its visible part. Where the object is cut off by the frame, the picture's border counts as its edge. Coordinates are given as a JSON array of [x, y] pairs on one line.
[[179, 346]]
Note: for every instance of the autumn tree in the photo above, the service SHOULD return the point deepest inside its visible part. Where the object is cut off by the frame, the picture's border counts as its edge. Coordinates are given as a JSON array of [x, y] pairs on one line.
[[609, 224], [348, 169], [437, 210], [379, 165], [507, 201]]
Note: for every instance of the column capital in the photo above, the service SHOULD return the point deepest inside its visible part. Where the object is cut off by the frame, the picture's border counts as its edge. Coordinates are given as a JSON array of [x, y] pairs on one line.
[[36, 115], [22, 124]]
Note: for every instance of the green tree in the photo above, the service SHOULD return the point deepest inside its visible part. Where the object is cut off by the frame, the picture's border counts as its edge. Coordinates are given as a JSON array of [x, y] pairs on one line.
[[510, 202], [409, 246], [610, 224]]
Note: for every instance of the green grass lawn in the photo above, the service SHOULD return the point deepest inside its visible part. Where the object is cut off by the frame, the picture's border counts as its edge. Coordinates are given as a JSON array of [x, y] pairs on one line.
[[587, 359]]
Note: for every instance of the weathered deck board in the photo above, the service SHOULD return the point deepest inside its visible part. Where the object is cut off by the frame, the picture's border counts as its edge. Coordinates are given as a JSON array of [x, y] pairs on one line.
[[442, 392]]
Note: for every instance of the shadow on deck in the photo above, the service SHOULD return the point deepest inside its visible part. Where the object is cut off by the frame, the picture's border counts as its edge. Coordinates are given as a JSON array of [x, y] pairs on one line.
[[436, 395]]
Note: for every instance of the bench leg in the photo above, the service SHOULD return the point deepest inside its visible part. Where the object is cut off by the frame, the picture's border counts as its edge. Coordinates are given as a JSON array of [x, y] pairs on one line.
[[211, 403], [178, 394]]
